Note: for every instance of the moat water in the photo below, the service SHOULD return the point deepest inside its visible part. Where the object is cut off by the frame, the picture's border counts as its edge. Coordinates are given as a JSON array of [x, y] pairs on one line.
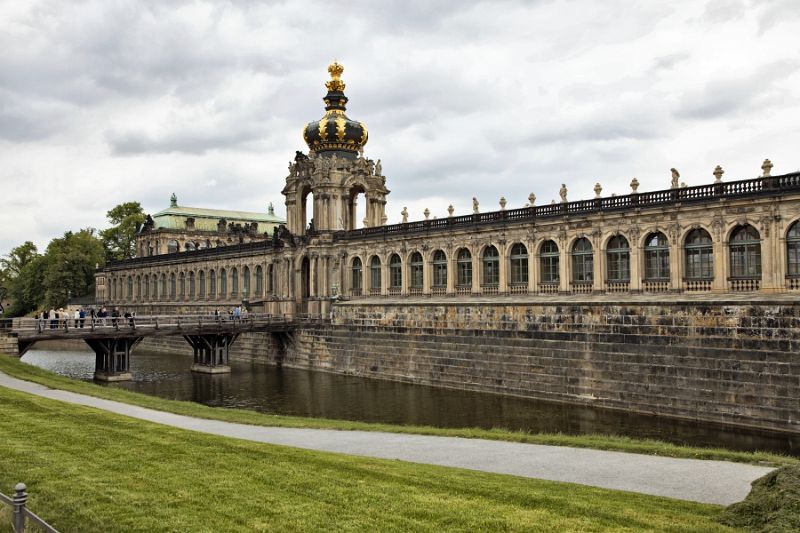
[[316, 394]]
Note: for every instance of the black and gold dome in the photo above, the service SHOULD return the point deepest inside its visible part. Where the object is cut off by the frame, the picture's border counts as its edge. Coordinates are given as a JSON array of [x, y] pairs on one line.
[[335, 133]]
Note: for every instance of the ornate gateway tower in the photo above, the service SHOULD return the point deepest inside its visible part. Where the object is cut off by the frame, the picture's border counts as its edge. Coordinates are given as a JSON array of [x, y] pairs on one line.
[[335, 172]]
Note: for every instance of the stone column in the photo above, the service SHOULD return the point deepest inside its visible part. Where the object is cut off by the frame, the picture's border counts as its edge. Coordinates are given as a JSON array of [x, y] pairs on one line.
[[675, 265], [598, 262], [720, 283], [533, 268], [385, 277], [452, 272], [565, 271], [476, 274], [427, 267], [502, 286], [636, 267]]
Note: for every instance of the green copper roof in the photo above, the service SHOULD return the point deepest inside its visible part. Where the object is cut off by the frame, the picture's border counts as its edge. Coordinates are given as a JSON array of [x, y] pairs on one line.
[[207, 219]]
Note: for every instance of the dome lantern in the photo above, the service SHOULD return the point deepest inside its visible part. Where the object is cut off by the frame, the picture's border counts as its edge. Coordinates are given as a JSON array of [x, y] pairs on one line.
[[335, 133]]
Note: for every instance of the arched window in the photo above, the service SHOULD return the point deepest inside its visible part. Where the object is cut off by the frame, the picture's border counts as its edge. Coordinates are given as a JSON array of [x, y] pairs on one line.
[[172, 286], [259, 281], [582, 261], [234, 282], [439, 269], [212, 284], [699, 255], [793, 250], [745, 248], [356, 276], [114, 289], [130, 287], [416, 270], [491, 267], [172, 247], [271, 278], [146, 283], [246, 282], [138, 287], [201, 281], [395, 272], [656, 257], [223, 283], [182, 285], [192, 286], [375, 273], [519, 264], [163, 289], [549, 262], [618, 258], [464, 268]]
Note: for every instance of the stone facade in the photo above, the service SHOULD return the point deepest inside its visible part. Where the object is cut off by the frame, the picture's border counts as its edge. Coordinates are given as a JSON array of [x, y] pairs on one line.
[[732, 363], [732, 241]]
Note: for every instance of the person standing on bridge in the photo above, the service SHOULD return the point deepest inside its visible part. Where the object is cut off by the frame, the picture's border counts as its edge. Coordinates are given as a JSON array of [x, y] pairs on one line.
[[237, 314], [53, 318], [77, 317]]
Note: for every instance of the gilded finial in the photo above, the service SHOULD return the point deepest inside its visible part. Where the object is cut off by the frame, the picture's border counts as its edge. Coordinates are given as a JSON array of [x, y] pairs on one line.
[[335, 84]]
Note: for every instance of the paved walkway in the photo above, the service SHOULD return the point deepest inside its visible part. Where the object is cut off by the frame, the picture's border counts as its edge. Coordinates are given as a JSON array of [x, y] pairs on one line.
[[687, 479]]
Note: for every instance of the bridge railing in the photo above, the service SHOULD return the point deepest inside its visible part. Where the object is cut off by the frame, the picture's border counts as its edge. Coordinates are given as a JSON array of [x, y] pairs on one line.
[[151, 322]]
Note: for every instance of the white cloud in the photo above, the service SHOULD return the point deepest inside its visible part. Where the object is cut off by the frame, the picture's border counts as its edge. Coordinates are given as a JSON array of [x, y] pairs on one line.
[[103, 102]]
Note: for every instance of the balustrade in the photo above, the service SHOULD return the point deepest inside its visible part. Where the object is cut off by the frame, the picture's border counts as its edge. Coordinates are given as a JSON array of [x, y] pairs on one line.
[[582, 287], [699, 285], [618, 286], [744, 285], [793, 284], [548, 288], [656, 286], [518, 289]]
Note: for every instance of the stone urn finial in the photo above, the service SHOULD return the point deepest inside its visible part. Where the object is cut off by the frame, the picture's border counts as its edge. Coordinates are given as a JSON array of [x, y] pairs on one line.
[[597, 190], [450, 210], [502, 203], [427, 213], [634, 185], [532, 199], [767, 168], [718, 172]]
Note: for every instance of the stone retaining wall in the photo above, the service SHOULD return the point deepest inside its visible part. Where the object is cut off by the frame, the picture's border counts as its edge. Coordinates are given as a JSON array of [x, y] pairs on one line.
[[735, 364], [8, 345]]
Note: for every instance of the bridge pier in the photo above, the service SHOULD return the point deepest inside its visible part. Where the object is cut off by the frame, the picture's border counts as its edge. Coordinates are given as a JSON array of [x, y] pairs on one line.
[[211, 352], [113, 357]]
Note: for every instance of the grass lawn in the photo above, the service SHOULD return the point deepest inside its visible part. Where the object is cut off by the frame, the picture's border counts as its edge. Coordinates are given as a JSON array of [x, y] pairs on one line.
[[14, 367], [88, 470]]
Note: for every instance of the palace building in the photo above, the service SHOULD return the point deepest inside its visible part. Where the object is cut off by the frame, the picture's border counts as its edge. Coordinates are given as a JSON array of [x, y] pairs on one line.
[[680, 302], [723, 237]]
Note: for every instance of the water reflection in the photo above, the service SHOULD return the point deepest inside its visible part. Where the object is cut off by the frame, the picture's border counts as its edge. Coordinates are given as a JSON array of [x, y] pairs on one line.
[[304, 393]]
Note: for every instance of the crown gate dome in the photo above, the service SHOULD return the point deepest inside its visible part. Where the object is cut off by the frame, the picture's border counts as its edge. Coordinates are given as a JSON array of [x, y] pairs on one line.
[[334, 133]]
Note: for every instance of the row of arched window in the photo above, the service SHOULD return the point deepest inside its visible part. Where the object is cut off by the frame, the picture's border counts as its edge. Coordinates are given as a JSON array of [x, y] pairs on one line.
[[744, 249], [219, 283]]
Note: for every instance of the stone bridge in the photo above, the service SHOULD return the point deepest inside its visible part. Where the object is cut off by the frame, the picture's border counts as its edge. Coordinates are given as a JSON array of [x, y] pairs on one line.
[[113, 338]]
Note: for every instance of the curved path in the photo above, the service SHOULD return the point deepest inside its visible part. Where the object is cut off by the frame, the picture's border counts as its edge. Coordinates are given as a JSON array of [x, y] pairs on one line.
[[717, 482]]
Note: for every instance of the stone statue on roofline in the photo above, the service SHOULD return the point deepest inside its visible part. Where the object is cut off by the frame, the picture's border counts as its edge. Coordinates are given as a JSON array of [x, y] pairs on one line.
[[675, 179], [173, 200], [404, 213], [563, 193], [475, 205]]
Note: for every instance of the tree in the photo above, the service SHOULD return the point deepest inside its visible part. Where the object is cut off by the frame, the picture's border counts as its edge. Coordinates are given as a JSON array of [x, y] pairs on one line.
[[119, 240], [26, 289], [18, 258], [70, 264]]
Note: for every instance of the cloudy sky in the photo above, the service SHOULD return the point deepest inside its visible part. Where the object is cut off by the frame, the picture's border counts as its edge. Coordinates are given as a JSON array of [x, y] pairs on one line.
[[108, 101]]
